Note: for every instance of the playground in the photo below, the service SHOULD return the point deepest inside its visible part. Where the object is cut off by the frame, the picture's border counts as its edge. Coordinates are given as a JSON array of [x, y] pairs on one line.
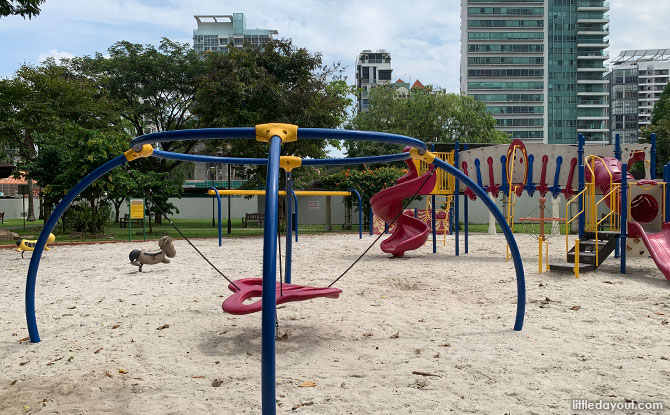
[[449, 317], [408, 320]]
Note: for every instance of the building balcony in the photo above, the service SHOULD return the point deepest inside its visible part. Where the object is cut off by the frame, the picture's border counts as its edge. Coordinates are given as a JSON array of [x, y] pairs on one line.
[[593, 81], [603, 45], [598, 118], [368, 81], [592, 130], [601, 57], [593, 106], [593, 32], [593, 8], [592, 94], [591, 69]]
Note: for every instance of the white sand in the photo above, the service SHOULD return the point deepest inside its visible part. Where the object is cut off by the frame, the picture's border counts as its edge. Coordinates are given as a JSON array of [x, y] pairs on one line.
[[453, 317]]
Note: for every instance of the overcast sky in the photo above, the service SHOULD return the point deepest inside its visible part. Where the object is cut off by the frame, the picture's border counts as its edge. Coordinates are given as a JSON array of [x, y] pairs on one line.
[[423, 36]]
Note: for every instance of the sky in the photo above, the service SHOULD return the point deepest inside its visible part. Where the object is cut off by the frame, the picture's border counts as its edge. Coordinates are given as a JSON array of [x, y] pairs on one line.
[[423, 36]]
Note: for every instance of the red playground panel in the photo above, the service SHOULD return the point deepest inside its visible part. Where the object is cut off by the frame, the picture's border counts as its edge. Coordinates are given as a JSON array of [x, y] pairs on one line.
[[253, 288]]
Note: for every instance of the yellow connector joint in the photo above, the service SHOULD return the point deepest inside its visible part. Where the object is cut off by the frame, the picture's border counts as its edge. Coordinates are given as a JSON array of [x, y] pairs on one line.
[[289, 163], [428, 157], [145, 151], [287, 132]]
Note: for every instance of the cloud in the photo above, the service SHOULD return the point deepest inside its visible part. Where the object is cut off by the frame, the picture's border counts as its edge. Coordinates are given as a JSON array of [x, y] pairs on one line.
[[423, 37], [56, 54]]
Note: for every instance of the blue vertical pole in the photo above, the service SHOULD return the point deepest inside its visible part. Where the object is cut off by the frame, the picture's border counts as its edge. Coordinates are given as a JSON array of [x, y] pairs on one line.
[[360, 213], [580, 201], [465, 210], [652, 156], [432, 216], [624, 215], [295, 218], [268, 380], [289, 226], [666, 178], [416, 213], [457, 194], [372, 220], [617, 146], [218, 198], [432, 222]]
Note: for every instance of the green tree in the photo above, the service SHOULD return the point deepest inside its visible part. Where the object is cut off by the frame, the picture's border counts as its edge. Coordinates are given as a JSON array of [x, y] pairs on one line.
[[66, 156], [368, 182], [660, 125], [276, 83], [428, 115], [153, 89], [43, 103], [23, 8]]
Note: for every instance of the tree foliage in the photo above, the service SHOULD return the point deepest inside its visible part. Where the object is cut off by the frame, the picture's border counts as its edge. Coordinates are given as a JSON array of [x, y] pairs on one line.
[[23, 8], [660, 125], [367, 182], [276, 83], [427, 115]]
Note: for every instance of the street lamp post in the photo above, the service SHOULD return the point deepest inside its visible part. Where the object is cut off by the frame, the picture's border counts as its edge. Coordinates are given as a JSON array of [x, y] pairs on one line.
[[212, 172]]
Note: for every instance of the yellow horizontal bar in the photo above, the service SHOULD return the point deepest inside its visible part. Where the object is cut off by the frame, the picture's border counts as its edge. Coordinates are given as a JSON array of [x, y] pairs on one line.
[[281, 193]]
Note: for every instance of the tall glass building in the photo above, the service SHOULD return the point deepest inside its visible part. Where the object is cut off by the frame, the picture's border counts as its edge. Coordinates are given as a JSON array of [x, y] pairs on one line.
[[216, 32], [538, 66]]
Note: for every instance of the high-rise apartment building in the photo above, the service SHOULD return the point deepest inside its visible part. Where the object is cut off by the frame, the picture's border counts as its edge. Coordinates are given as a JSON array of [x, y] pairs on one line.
[[538, 66], [636, 80], [372, 69], [216, 32]]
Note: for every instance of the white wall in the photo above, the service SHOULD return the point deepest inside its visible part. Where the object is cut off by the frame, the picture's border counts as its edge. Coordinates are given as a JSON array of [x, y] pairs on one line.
[[13, 207]]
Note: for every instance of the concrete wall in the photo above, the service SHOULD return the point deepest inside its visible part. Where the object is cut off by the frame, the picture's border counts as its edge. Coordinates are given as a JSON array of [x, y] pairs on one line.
[[13, 208], [201, 207], [312, 210]]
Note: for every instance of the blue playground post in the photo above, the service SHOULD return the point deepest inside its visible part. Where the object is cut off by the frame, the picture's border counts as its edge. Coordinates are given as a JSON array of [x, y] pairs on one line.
[[372, 220], [465, 212], [617, 146], [289, 227], [432, 214], [295, 213], [514, 249], [580, 202], [44, 235], [652, 156], [218, 198], [270, 281], [360, 212], [457, 194], [432, 222], [624, 215]]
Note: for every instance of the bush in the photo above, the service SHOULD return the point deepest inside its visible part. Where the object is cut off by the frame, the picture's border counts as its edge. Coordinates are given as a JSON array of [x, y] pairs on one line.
[[79, 216]]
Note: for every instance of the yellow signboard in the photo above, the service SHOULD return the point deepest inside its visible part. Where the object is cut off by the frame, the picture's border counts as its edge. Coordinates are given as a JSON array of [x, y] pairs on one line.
[[136, 208]]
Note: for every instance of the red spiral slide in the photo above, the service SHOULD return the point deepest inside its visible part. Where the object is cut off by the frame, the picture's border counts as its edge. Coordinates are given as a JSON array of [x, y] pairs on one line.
[[410, 233]]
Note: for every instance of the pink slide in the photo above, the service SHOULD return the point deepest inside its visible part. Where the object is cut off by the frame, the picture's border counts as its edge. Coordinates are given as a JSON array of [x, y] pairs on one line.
[[410, 233], [645, 208], [658, 245]]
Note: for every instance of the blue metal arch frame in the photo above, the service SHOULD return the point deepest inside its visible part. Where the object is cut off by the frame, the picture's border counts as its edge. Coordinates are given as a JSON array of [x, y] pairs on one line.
[[270, 232]]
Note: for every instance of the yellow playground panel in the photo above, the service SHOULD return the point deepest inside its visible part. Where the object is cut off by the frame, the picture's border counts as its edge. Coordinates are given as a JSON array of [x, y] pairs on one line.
[[445, 183]]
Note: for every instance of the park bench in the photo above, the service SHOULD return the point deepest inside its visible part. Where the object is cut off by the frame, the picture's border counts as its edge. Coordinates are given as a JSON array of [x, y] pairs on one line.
[[253, 218], [123, 222]]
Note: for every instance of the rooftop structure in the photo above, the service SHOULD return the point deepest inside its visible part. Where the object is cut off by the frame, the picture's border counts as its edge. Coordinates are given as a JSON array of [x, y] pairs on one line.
[[216, 32]]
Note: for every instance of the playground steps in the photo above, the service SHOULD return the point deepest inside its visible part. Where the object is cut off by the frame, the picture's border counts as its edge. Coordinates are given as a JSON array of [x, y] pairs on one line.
[[587, 252], [570, 267]]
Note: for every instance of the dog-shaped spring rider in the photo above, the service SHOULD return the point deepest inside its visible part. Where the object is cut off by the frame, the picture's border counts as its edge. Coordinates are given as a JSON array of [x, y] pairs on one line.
[[23, 245], [167, 250]]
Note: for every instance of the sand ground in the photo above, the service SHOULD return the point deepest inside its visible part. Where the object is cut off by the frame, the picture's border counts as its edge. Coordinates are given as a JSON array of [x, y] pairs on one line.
[[603, 336]]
